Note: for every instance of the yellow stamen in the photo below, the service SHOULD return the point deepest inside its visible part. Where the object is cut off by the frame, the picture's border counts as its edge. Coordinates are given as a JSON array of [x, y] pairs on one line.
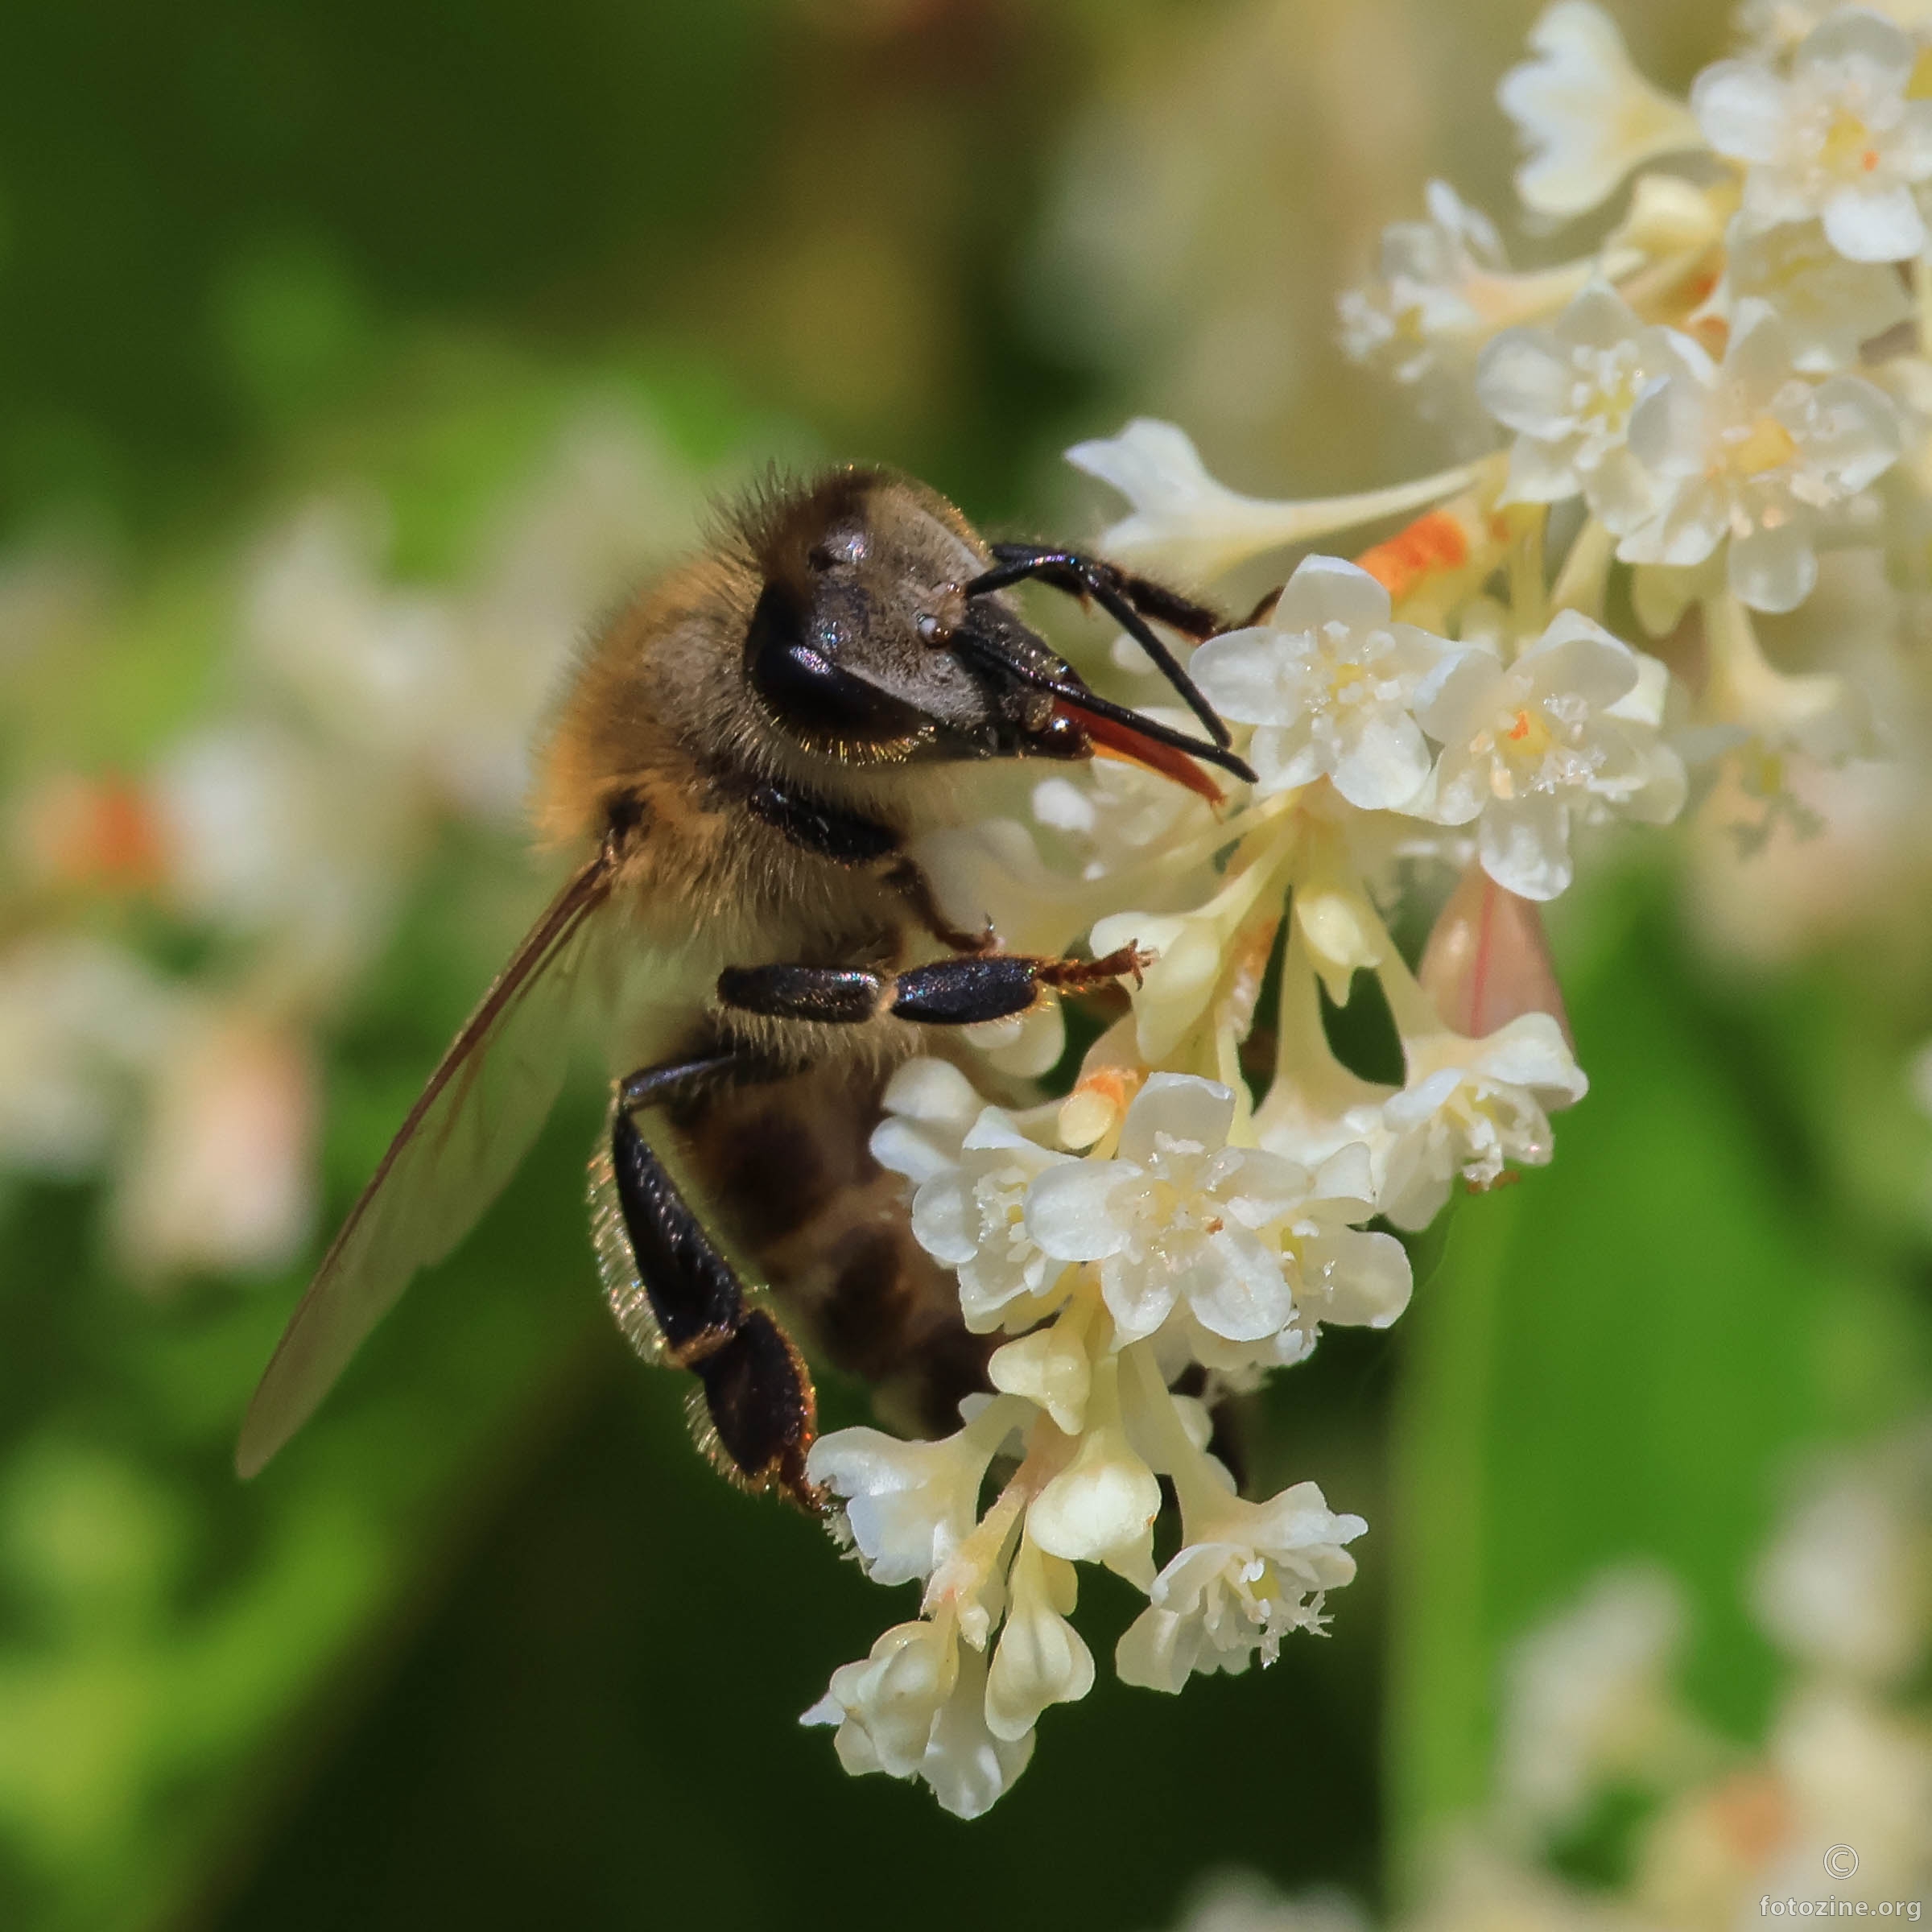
[[1847, 145], [1768, 446]]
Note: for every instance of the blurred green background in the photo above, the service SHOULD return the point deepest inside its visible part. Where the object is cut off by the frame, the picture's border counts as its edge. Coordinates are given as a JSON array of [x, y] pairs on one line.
[[487, 1645]]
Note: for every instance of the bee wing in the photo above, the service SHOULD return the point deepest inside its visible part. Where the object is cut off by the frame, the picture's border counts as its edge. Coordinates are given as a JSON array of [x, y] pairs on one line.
[[463, 1140]]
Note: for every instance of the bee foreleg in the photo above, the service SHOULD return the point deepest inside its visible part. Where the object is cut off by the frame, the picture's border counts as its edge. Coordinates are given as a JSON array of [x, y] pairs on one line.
[[948, 992], [1130, 600], [760, 1408]]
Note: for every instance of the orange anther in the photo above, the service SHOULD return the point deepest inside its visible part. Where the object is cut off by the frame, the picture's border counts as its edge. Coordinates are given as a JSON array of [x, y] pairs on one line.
[[1434, 542], [99, 832], [1521, 727]]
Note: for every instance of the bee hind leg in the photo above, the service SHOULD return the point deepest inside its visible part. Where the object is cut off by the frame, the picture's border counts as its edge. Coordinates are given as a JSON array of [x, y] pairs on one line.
[[679, 1300]]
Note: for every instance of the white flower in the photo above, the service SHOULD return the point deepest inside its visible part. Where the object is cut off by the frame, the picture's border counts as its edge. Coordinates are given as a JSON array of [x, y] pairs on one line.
[[1186, 523], [1840, 139], [1191, 957], [1051, 1368], [221, 1176], [929, 1105], [1339, 1273], [917, 1708], [1829, 305], [1566, 729], [1469, 1106], [1329, 679], [80, 1022], [1754, 453], [1100, 1508], [1123, 819], [1846, 1586], [1041, 1659], [972, 1216], [1427, 295], [1855, 1774], [271, 834], [1254, 1572], [910, 1504], [1174, 1219], [1587, 1697], [971, 1167], [1568, 391], [1584, 113]]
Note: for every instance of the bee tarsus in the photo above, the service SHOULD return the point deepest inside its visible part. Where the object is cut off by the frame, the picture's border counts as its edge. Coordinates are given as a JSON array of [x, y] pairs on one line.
[[683, 1302]]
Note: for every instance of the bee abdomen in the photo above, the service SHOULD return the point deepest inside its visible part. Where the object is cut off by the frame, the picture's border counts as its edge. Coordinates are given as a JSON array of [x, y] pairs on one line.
[[787, 1167]]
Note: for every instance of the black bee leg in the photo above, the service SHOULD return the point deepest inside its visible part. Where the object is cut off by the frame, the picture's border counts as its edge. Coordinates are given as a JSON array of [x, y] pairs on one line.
[[846, 838], [1128, 599], [948, 993], [679, 1299]]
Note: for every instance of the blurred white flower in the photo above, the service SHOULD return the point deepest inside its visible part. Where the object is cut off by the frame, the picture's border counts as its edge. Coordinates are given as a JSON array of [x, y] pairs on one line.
[[1829, 306], [1568, 391], [1470, 1106], [81, 1024], [1754, 453], [1331, 680], [272, 837], [1252, 1573], [1843, 137], [1567, 730], [1431, 291], [1584, 114], [1856, 1774], [374, 667], [1242, 1901], [1185, 522], [221, 1177], [1589, 1699], [1845, 1585]]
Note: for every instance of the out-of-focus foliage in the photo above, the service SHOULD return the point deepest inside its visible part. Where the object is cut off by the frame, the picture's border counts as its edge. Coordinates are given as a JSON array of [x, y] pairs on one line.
[[487, 1645]]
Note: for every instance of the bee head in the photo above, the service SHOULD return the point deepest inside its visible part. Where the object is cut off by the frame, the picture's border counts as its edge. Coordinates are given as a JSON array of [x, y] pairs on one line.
[[865, 645]]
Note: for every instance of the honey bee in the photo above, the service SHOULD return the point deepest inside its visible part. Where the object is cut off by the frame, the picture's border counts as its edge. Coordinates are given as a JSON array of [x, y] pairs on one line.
[[746, 753]]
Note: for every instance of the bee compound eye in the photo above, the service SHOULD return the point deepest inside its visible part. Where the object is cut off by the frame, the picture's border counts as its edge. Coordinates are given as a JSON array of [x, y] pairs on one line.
[[806, 692]]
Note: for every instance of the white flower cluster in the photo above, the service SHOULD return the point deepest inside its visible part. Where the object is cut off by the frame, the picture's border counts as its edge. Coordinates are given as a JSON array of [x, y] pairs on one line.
[[1686, 420], [1594, 1704]]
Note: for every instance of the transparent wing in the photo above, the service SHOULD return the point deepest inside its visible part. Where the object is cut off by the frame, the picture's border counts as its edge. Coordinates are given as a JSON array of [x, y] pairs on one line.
[[461, 1142]]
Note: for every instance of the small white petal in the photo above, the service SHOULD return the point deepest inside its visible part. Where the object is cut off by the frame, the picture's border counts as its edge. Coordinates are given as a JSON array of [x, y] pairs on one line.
[[1742, 109], [1773, 569], [1875, 224]]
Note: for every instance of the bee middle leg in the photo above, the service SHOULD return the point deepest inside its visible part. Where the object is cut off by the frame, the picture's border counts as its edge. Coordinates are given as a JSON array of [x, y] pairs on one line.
[[948, 993], [681, 1300]]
